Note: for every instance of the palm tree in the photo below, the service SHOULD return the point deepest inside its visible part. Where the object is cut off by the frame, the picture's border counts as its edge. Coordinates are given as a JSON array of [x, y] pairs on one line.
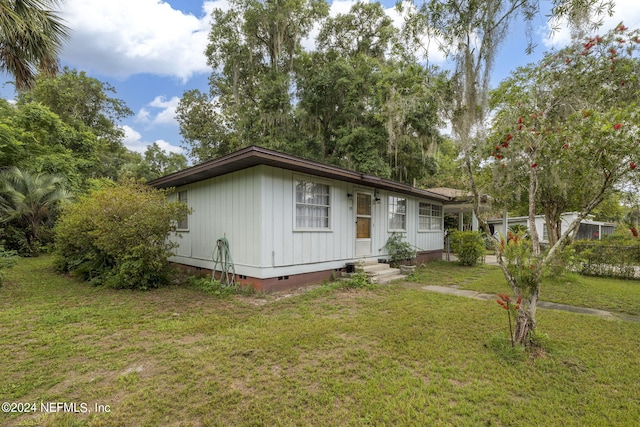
[[31, 36], [30, 201]]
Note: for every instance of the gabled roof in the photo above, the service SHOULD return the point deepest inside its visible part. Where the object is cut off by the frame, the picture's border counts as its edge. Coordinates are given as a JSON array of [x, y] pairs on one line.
[[254, 156]]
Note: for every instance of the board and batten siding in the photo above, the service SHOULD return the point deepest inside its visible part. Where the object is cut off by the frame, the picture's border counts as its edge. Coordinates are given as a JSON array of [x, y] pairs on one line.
[[422, 240], [291, 251], [225, 206], [255, 210]]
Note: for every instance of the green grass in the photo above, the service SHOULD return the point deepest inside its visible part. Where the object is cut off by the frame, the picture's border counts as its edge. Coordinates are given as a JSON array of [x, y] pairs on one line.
[[379, 356], [616, 295]]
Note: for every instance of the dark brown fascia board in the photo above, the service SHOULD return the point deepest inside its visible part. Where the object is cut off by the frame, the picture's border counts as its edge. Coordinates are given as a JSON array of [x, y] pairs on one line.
[[254, 156]]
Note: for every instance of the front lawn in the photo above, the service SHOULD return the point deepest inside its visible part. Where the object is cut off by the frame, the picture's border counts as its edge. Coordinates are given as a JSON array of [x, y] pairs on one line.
[[616, 295], [388, 356]]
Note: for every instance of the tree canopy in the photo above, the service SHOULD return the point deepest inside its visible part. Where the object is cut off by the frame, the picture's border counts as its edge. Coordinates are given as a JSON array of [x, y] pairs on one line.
[[565, 130], [358, 100], [31, 36]]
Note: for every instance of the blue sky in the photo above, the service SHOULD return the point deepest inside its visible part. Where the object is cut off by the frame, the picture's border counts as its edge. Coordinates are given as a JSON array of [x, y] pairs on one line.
[[151, 51]]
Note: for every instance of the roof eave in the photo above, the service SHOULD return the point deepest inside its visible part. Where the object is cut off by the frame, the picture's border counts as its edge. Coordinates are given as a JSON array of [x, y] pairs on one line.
[[253, 156]]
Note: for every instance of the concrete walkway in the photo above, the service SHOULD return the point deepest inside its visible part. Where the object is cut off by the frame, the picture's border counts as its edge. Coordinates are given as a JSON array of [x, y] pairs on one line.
[[488, 259], [491, 260], [542, 304]]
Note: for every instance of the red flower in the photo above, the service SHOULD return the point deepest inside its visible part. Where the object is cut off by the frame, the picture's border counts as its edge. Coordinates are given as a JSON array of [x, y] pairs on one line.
[[520, 127], [534, 165], [520, 120], [509, 138], [633, 165], [505, 144], [519, 301], [634, 231], [504, 297], [621, 27], [617, 126]]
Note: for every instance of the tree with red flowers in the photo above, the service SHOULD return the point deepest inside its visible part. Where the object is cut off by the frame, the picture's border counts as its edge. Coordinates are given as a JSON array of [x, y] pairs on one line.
[[566, 131]]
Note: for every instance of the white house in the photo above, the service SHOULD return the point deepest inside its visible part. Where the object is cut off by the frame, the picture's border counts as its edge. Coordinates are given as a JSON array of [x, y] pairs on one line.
[[291, 221], [588, 229]]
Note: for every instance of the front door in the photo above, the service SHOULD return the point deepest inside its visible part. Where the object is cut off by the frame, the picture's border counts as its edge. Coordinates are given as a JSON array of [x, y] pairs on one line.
[[363, 224]]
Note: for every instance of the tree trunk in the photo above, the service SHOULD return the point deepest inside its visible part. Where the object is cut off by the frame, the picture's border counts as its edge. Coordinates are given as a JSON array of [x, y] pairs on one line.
[[553, 220], [526, 322]]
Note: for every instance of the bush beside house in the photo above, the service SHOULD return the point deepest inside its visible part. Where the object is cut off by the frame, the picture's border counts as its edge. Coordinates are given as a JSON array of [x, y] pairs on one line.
[[469, 247], [117, 236]]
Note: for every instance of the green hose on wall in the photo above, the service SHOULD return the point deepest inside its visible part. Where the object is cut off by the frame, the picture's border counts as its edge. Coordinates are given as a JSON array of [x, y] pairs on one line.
[[222, 256]]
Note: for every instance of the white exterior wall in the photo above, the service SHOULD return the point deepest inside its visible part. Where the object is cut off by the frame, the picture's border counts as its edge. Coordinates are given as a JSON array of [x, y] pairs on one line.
[[288, 251], [255, 210], [565, 221], [499, 226], [422, 240], [226, 206]]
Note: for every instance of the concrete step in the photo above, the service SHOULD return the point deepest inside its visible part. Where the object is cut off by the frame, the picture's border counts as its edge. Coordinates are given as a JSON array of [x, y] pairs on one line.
[[375, 267], [367, 261], [387, 272], [378, 272], [388, 279]]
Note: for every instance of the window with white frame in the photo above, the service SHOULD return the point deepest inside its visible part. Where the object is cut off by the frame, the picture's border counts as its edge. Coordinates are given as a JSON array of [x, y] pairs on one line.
[[313, 204], [183, 224], [429, 217], [397, 213]]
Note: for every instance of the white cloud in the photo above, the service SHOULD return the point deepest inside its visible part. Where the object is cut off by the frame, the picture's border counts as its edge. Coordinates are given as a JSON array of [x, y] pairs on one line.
[[166, 115], [143, 116], [626, 11], [167, 147], [124, 37], [134, 142]]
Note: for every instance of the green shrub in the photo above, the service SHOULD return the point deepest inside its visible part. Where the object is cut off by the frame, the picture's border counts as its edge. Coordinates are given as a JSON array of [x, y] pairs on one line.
[[7, 259], [358, 280], [517, 251], [468, 247], [117, 236], [399, 249], [612, 257]]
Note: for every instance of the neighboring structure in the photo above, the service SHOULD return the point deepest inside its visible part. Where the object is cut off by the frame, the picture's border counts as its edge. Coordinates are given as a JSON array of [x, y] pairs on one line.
[[461, 206], [588, 230], [291, 221]]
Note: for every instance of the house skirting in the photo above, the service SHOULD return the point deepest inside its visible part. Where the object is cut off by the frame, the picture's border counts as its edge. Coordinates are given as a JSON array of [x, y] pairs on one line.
[[272, 284], [427, 256], [293, 281]]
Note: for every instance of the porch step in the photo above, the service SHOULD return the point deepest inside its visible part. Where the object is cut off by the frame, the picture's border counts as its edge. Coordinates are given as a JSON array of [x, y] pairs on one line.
[[381, 273], [368, 261], [371, 268], [388, 279]]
